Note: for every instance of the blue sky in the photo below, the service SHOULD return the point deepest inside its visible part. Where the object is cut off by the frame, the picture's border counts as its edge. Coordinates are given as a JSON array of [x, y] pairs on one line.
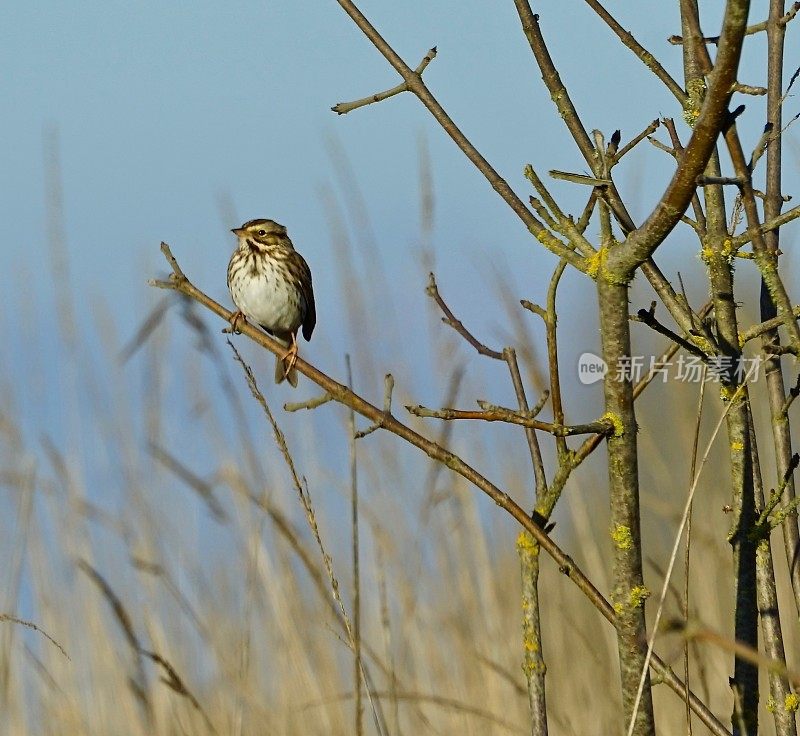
[[163, 108], [177, 121]]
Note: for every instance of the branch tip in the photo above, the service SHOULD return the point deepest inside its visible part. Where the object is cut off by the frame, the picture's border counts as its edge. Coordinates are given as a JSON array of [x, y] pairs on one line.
[[342, 108]]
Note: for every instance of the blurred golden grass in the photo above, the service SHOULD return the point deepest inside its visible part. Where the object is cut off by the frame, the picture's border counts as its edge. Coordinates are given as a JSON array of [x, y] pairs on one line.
[[163, 547], [246, 625]]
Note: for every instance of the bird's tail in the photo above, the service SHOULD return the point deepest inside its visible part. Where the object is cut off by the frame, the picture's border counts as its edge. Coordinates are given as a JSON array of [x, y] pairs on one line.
[[281, 373]]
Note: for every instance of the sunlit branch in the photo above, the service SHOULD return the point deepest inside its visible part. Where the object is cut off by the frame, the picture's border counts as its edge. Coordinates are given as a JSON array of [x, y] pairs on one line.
[[340, 393], [343, 108], [501, 414]]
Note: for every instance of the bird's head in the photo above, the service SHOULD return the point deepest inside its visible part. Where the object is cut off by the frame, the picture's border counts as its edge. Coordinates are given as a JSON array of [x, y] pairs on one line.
[[262, 234]]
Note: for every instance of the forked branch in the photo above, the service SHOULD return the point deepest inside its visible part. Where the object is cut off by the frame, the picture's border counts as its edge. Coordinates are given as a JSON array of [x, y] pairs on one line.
[[179, 282], [415, 84], [343, 108], [502, 414]]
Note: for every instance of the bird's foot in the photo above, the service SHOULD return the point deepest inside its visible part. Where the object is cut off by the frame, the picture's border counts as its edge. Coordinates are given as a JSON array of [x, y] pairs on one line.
[[290, 355], [236, 318]]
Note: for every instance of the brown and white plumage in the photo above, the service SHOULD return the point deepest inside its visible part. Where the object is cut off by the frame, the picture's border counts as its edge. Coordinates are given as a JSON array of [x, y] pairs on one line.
[[270, 283]]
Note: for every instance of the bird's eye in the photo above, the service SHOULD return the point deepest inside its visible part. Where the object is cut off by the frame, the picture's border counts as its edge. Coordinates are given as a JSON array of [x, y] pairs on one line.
[[262, 232]]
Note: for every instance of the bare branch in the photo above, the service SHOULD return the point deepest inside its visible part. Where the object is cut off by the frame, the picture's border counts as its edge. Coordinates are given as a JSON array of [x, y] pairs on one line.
[[530, 434], [416, 85], [388, 387], [722, 181], [766, 261], [766, 326], [662, 146], [750, 31], [501, 414], [761, 147], [628, 147], [711, 119], [432, 291], [563, 224], [794, 392], [747, 89], [309, 404], [641, 52], [440, 454], [543, 212], [648, 317], [768, 226], [583, 221], [589, 181], [343, 108]]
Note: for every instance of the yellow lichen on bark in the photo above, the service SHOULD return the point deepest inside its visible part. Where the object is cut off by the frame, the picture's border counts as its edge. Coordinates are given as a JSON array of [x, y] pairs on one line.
[[615, 421], [622, 537], [638, 595]]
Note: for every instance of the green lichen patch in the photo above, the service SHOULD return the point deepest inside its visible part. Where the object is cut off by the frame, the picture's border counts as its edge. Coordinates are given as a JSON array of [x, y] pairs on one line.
[[622, 537], [638, 595], [526, 543], [616, 423]]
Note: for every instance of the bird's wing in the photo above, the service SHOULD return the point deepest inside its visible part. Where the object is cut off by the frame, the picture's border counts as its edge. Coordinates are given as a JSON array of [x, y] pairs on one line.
[[307, 289]]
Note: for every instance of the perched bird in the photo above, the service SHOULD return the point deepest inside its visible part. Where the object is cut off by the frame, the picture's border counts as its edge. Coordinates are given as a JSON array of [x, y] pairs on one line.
[[270, 283]]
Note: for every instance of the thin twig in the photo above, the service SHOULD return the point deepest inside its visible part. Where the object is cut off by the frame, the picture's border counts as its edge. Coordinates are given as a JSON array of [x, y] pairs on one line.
[[309, 404], [699, 632], [794, 392], [749, 89], [647, 317], [351, 425], [36, 628], [750, 30], [723, 181], [500, 414], [561, 223], [766, 227], [642, 53], [450, 319], [343, 108], [766, 326], [530, 433], [551, 339], [588, 181], [677, 146], [649, 130], [340, 393], [761, 147], [388, 387]]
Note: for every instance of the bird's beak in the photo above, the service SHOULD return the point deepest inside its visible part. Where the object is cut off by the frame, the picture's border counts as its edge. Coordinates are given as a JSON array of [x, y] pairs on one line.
[[238, 231]]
